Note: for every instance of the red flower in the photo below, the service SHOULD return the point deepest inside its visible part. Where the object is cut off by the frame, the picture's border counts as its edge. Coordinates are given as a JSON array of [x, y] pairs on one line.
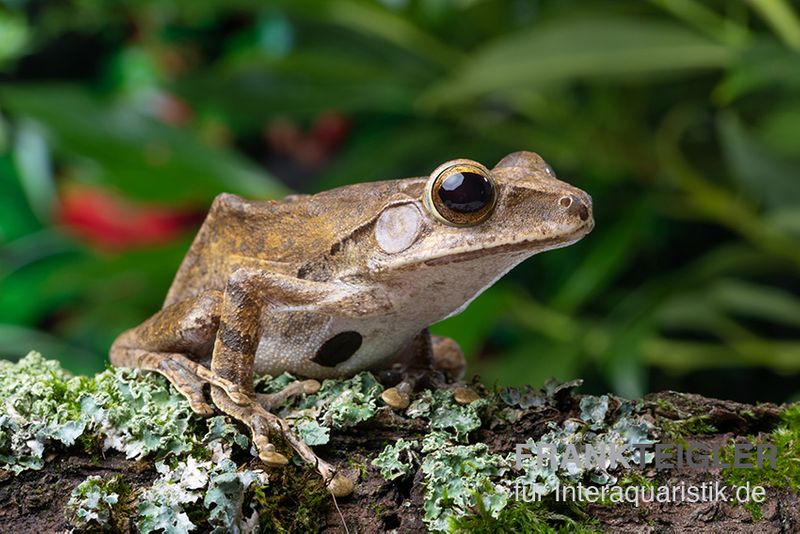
[[110, 221]]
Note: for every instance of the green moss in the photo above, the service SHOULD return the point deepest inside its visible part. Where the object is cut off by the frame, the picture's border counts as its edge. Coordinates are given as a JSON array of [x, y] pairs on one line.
[[785, 474], [296, 502], [635, 478], [535, 518], [696, 425], [666, 406]]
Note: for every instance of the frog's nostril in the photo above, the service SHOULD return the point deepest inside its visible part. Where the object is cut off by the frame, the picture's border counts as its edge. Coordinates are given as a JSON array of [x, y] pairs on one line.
[[575, 206]]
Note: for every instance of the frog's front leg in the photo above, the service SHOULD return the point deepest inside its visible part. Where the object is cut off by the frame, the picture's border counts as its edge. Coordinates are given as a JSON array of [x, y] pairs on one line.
[[249, 294], [173, 342]]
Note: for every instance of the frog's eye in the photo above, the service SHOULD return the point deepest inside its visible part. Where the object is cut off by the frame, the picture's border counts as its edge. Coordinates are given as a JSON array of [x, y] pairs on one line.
[[461, 193]]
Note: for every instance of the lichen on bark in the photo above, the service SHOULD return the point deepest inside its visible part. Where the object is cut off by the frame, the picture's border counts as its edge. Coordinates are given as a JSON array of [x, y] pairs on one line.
[[122, 449]]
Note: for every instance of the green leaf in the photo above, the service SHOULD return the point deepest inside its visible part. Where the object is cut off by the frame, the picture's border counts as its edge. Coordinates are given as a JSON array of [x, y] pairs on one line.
[[771, 180], [780, 130], [250, 88], [765, 65], [770, 304], [13, 37], [32, 158], [141, 156], [610, 253], [568, 49], [16, 217], [18, 340], [377, 21]]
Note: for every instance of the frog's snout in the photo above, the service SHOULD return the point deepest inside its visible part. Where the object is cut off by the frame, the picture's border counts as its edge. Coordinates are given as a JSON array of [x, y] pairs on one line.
[[579, 206]]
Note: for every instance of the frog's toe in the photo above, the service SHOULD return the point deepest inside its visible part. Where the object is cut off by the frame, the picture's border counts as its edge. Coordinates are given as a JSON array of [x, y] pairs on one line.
[[340, 486], [465, 395], [186, 381], [448, 357], [261, 421], [270, 401], [311, 386], [396, 397], [236, 393], [268, 454], [200, 406]]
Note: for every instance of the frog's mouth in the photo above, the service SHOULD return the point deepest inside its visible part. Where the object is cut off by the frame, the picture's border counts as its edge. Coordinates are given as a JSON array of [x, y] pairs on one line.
[[528, 246]]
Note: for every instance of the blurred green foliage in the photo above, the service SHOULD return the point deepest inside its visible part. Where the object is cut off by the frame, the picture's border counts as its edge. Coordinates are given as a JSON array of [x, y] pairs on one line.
[[680, 117]]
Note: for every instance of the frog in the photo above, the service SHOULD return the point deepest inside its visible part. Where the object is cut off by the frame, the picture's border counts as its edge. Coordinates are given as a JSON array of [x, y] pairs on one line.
[[343, 281]]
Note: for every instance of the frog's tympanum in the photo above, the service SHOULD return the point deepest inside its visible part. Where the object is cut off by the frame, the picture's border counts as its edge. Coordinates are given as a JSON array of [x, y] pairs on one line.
[[327, 285]]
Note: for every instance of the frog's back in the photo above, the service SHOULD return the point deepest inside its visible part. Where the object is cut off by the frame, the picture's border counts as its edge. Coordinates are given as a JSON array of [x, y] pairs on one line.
[[287, 234], [237, 229]]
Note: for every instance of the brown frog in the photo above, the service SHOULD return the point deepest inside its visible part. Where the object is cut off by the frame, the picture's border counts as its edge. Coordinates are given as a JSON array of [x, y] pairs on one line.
[[327, 285]]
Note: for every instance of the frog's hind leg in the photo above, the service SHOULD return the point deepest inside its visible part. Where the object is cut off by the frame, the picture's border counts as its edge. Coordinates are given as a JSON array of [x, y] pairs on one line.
[[169, 342]]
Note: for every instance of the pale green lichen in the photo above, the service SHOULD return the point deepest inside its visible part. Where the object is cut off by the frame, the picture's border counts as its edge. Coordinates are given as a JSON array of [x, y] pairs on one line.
[[460, 479], [464, 481], [217, 485], [140, 415], [198, 484], [337, 405], [132, 412], [92, 502], [444, 413], [346, 403], [38, 407], [312, 432], [397, 460]]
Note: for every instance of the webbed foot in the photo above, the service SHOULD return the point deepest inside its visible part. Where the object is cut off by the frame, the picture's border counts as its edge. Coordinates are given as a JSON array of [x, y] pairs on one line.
[[261, 422]]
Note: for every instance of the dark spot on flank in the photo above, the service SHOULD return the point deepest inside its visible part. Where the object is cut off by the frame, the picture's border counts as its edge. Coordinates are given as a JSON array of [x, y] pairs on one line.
[[336, 247], [338, 349]]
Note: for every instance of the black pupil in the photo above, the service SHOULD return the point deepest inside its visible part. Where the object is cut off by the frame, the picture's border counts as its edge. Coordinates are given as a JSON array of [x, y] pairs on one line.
[[465, 192]]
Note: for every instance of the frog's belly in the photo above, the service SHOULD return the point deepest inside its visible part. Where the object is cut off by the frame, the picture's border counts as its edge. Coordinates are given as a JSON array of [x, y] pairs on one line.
[[292, 344]]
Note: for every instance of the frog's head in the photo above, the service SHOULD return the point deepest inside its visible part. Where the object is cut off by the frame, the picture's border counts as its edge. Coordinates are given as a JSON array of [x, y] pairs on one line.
[[492, 219]]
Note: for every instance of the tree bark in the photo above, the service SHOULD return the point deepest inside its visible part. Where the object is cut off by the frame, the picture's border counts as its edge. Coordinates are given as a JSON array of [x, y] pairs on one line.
[[35, 500]]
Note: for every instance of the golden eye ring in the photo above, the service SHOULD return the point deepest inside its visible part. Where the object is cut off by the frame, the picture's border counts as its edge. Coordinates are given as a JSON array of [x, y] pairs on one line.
[[461, 192]]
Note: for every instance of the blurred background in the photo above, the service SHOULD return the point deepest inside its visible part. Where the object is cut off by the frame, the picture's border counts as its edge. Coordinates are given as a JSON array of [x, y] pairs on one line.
[[120, 121]]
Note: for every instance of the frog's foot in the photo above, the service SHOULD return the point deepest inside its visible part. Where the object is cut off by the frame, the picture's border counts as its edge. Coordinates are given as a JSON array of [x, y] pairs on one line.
[[185, 374], [272, 400], [399, 396], [435, 365], [260, 422]]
